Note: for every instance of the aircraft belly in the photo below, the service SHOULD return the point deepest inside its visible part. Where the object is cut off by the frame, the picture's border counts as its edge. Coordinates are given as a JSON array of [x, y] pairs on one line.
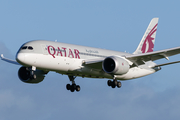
[[135, 72], [65, 65]]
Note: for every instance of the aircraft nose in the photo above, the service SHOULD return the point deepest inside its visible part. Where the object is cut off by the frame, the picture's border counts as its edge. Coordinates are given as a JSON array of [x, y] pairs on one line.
[[20, 58]]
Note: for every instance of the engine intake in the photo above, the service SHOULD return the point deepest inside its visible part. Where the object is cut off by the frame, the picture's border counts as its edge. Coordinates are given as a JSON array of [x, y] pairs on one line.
[[25, 76], [115, 65]]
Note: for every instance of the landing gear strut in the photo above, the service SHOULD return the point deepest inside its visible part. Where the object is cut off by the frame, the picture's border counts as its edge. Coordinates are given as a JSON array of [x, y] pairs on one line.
[[72, 87], [32, 74], [114, 83]]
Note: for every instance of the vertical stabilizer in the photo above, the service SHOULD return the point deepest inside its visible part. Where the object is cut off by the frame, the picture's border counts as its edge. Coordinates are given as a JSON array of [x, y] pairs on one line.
[[147, 42]]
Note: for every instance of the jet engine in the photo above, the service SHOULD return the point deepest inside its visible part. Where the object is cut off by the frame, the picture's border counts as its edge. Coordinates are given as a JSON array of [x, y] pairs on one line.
[[25, 75], [115, 65]]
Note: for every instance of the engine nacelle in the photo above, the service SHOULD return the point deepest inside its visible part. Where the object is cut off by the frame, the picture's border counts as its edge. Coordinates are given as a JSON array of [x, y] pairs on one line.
[[25, 76], [115, 65]]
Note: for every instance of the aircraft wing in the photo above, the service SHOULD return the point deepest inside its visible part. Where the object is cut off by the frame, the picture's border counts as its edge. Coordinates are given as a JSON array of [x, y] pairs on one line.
[[94, 63], [8, 60], [139, 59]]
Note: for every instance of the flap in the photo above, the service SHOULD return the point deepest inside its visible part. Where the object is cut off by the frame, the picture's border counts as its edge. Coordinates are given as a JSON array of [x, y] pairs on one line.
[[167, 63]]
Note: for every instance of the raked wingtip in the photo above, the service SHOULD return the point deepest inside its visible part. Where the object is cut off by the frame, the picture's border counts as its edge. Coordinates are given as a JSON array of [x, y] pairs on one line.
[[2, 56]]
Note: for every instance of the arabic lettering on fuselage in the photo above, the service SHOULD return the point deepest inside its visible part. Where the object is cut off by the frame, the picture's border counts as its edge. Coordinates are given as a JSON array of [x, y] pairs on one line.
[[62, 51], [92, 51]]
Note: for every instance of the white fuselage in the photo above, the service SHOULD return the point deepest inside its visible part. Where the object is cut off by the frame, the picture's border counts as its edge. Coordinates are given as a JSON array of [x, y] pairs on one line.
[[68, 59]]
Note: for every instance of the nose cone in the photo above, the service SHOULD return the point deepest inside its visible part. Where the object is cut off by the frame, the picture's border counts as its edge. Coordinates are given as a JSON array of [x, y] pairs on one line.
[[20, 58]]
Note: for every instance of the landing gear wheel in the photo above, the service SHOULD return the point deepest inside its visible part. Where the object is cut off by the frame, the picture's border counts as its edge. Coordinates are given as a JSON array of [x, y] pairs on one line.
[[78, 88], [109, 82], [32, 75], [68, 86], [113, 86], [72, 89], [73, 86], [115, 82], [119, 84]]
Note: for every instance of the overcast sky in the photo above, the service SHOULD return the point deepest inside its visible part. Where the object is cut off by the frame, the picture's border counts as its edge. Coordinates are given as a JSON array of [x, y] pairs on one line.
[[110, 24]]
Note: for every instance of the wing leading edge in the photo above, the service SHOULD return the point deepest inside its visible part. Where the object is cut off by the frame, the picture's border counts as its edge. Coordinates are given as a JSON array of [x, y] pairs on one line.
[[8, 60]]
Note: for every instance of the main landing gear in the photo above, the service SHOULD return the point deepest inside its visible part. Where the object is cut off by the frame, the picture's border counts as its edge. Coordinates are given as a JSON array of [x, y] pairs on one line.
[[72, 87], [114, 83]]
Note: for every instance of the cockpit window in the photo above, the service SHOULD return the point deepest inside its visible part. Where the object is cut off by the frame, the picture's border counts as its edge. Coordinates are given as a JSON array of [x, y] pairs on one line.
[[24, 47], [30, 48], [27, 47]]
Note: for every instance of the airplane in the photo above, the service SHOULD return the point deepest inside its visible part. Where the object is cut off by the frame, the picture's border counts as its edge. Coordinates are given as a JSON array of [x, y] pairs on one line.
[[38, 57]]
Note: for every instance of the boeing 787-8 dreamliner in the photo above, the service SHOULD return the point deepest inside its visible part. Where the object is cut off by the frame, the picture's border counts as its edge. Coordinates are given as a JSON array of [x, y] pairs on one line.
[[39, 57]]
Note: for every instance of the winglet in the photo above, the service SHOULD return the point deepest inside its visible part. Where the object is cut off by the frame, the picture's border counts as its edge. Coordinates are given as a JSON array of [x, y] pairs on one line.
[[147, 42], [2, 56]]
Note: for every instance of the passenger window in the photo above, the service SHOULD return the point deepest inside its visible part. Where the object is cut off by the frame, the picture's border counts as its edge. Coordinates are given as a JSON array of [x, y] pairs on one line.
[[30, 48]]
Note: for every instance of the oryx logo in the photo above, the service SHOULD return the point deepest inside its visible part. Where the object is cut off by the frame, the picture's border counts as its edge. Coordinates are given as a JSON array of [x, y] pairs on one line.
[[148, 44]]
